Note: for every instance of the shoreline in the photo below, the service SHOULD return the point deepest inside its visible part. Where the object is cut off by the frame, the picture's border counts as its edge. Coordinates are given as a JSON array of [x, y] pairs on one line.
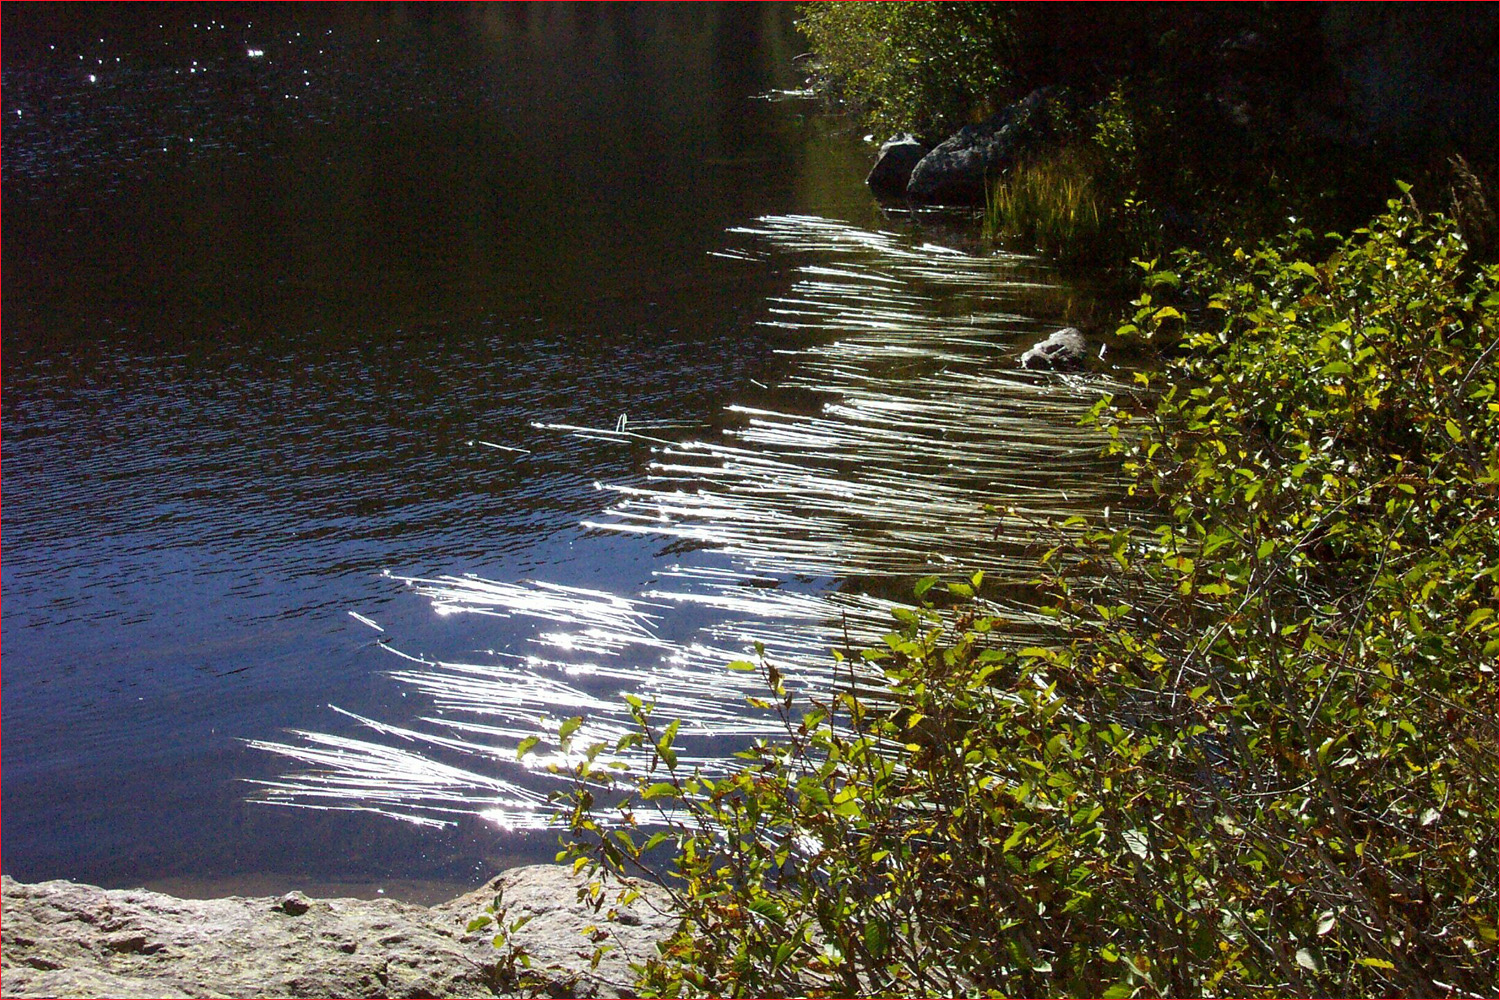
[[417, 891], [67, 939]]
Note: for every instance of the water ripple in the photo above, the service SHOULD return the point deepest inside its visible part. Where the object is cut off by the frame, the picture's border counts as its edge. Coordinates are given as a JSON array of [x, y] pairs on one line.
[[785, 529]]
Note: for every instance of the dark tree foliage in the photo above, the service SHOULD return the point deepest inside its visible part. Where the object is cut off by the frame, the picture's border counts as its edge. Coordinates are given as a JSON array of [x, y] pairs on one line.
[[1241, 115]]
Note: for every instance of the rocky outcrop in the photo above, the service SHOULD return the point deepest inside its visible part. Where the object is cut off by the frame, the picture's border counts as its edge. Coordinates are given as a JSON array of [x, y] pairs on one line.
[[960, 169], [1064, 350], [63, 939], [898, 157]]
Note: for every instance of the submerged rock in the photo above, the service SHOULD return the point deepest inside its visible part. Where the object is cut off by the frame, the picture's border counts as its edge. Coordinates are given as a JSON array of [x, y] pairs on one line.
[[63, 939], [960, 169], [1062, 351], [898, 157]]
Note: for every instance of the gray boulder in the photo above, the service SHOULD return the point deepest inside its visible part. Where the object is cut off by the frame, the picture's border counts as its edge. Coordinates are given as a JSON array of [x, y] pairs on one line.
[[898, 157], [62, 939], [1064, 350], [960, 169]]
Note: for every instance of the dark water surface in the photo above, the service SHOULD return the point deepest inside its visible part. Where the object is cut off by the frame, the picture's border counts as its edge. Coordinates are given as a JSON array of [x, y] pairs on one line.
[[266, 319]]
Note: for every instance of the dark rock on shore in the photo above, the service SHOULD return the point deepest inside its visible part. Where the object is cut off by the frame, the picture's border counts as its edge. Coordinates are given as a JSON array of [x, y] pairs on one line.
[[960, 169], [898, 157], [62, 939], [1064, 350]]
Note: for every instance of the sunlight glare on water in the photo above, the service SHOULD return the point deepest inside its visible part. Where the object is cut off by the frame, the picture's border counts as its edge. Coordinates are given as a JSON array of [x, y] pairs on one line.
[[920, 418]]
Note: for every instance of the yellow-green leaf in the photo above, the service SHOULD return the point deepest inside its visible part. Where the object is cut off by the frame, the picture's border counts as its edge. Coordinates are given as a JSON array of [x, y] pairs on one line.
[[1375, 963]]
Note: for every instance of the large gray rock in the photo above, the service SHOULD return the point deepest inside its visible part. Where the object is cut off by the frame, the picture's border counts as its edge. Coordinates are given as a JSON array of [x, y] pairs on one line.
[[1062, 351], [960, 170], [63, 939], [898, 157]]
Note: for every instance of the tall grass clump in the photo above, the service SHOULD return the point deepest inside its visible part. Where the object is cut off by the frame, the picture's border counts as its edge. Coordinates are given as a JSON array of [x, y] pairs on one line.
[[1256, 758], [1081, 200]]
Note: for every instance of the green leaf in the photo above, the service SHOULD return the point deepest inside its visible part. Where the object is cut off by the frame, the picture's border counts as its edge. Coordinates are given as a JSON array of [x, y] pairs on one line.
[[664, 745], [1375, 963], [744, 666], [526, 745], [1453, 430], [1215, 541], [569, 727], [1478, 615], [768, 908], [1181, 564], [875, 938]]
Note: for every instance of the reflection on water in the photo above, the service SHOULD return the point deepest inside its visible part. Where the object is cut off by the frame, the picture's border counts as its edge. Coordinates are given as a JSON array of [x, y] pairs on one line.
[[918, 418], [276, 326]]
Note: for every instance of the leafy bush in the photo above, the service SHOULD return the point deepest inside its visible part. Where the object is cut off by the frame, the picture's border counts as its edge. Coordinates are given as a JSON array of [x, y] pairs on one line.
[[1317, 611], [921, 67], [1258, 760]]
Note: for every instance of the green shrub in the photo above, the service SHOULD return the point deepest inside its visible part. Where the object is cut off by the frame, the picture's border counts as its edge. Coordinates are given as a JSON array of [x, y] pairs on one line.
[[1259, 758], [927, 68], [1316, 613]]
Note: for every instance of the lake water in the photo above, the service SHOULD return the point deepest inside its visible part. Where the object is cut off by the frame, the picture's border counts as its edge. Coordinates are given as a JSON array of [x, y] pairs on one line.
[[382, 386]]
